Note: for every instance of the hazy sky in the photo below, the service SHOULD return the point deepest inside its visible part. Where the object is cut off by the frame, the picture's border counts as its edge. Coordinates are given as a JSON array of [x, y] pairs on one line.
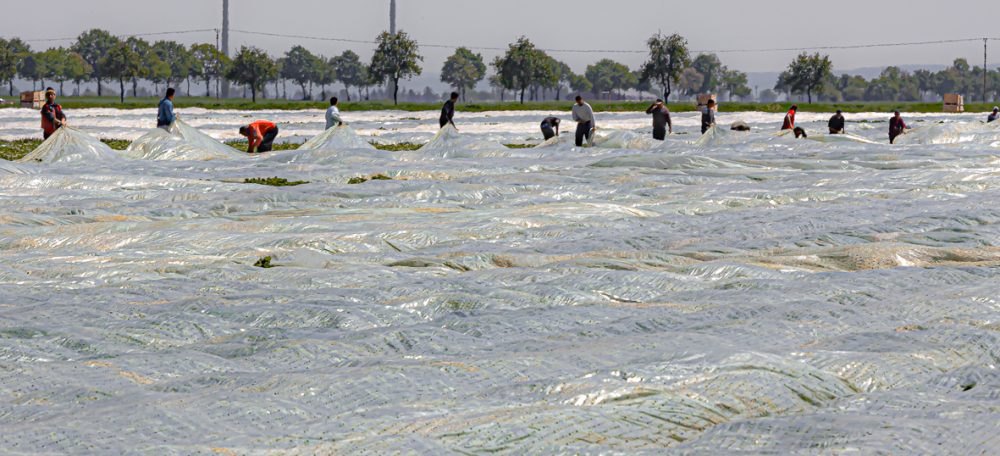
[[580, 24]]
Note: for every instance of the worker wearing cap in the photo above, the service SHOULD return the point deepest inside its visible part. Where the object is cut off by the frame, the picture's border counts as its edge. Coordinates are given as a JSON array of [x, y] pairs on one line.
[[994, 116], [52, 115], [661, 120]]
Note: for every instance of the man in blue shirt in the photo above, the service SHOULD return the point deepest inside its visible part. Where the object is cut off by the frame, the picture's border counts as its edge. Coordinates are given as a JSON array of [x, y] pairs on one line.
[[165, 115]]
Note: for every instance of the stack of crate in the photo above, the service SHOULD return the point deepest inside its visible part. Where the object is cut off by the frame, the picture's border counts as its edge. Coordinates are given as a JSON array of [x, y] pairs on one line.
[[33, 100], [954, 102]]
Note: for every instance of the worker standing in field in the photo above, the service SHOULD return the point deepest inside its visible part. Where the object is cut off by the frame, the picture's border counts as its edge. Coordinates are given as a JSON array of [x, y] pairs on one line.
[[583, 114], [165, 113], [708, 116], [52, 114], [662, 124], [550, 127], [448, 111], [837, 123], [896, 127], [333, 114], [790, 118], [260, 136], [993, 117]]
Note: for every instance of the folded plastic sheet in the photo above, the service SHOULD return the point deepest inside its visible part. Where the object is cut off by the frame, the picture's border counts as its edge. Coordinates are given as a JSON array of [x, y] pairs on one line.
[[69, 145], [337, 138], [764, 296], [952, 133], [449, 139], [182, 142]]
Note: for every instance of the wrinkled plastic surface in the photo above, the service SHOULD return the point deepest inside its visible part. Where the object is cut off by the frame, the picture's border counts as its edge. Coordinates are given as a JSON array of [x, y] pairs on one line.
[[760, 295], [70, 145], [181, 142], [337, 138]]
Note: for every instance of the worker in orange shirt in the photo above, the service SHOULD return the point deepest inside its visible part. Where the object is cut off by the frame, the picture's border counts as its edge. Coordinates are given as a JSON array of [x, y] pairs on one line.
[[260, 136]]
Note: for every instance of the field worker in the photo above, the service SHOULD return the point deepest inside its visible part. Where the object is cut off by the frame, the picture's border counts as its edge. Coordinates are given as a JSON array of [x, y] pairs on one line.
[[790, 118], [583, 114], [896, 127], [333, 114], [994, 116], [661, 120], [448, 111], [550, 127], [52, 114], [800, 133], [165, 114], [837, 123], [260, 135], [708, 116]]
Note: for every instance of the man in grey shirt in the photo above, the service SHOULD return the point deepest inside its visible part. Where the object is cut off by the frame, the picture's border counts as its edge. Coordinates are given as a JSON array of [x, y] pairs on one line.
[[583, 114], [708, 117], [661, 120]]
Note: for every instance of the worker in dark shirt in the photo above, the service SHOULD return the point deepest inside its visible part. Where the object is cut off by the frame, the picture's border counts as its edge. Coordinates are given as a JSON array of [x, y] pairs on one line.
[[661, 120], [448, 111], [52, 114], [550, 127], [993, 117], [837, 123], [708, 116], [896, 127]]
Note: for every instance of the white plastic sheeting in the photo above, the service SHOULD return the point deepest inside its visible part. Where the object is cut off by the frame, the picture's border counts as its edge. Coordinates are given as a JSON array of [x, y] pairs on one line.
[[449, 139], [181, 142], [767, 295], [337, 138], [69, 145]]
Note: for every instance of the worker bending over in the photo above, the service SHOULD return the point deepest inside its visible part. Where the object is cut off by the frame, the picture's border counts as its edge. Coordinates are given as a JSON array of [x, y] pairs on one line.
[[260, 136], [550, 127], [836, 124]]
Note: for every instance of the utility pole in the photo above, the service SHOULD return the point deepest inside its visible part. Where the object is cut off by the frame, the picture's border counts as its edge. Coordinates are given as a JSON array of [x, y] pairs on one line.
[[392, 17], [225, 42], [392, 31], [986, 71]]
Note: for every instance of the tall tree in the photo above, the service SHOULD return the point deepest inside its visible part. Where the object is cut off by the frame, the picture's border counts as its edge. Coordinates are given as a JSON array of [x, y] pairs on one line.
[[735, 83], [12, 53], [608, 76], [668, 57], [350, 71], [74, 69], [396, 57], [150, 61], [93, 46], [177, 56], [807, 74], [299, 65], [208, 63], [520, 66], [32, 67], [463, 70], [324, 74], [253, 68], [712, 71], [564, 76], [122, 63]]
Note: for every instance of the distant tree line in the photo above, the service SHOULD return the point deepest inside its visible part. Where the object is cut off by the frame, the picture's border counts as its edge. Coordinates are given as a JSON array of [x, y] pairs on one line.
[[524, 72]]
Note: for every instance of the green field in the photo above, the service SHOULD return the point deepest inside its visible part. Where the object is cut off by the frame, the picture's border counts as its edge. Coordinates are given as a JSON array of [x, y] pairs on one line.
[[555, 106]]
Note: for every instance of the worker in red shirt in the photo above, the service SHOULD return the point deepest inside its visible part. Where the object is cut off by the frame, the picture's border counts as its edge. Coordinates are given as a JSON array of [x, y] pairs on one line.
[[790, 118], [260, 136], [52, 115]]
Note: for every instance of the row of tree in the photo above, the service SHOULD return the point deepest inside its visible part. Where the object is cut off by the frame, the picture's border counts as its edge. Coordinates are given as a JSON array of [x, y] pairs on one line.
[[524, 70]]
